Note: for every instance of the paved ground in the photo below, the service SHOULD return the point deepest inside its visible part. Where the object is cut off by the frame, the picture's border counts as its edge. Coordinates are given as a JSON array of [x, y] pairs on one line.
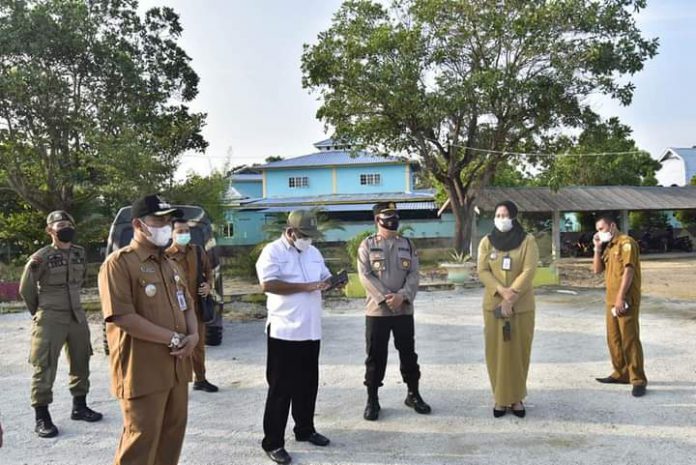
[[571, 418]]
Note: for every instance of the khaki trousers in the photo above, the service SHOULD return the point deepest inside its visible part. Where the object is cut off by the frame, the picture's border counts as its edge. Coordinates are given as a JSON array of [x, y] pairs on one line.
[[50, 332], [198, 355], [625, 349], [153, 428]]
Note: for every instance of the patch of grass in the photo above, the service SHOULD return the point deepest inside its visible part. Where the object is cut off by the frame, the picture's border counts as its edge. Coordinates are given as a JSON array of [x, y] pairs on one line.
[[354, 289]]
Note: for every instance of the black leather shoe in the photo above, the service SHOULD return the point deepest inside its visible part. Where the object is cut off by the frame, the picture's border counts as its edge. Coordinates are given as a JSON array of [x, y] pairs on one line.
[[316, 439], [611, 380], [279, 455], [204, 386], [85, 413], [45, 428], [499, 413], [416, 402], [372, 409], [638, 390], [519, 413]]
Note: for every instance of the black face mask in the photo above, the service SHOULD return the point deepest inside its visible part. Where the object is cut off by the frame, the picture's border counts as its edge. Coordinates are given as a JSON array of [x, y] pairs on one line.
[[391, 223], [66, 234]]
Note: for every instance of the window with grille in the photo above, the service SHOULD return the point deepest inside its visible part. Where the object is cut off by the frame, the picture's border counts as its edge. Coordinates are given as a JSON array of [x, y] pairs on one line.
[[298, 181], [370, 179], [226, 229]]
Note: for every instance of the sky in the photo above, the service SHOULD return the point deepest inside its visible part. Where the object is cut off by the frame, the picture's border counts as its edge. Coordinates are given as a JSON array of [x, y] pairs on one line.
[[247, 54]]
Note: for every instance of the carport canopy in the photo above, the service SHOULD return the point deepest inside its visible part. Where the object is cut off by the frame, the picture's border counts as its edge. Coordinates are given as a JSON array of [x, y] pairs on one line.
[[587, 199]]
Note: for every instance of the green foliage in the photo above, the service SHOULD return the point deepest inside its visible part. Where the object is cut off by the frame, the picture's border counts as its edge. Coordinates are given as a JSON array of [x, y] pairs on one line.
[[644, 220], [603, 170], [206, 191], [459, 256], [275, 228], [445, 80], [353, 244], [92, 107]]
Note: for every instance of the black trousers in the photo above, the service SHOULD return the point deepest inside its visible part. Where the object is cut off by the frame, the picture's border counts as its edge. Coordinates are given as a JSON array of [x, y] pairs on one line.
[[292, 372], [377, 330]]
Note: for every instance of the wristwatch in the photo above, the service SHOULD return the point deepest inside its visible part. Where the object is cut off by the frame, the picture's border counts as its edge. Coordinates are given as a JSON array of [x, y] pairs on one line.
[[176, 340]]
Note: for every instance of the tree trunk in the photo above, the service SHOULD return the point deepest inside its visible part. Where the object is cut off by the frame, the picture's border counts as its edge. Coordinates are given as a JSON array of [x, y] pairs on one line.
[[462, 205]]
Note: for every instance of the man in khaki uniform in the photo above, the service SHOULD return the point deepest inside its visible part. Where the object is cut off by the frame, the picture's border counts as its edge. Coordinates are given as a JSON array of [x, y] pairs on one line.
[[620, 260], [388, 270], [193, 260], [151, 331], [50, 288]]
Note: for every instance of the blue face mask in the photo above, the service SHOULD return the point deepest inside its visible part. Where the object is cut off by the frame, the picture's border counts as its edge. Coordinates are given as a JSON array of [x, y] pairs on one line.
[[183, 239]]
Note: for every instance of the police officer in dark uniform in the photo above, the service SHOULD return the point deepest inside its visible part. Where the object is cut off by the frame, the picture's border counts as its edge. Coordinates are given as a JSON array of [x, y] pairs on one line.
[[388, 270], [50, 288]]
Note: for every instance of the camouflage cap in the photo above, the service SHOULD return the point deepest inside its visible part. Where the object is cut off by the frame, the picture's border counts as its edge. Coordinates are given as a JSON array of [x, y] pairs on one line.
[[59, 215], [304, 221], [384, 208]]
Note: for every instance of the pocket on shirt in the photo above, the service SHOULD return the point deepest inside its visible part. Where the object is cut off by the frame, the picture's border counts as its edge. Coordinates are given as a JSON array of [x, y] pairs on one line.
[[377, 261], [405, 261], [314, 268]]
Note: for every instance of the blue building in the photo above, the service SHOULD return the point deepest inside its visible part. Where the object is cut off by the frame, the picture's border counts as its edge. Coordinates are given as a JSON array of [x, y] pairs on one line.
[[343, 183]]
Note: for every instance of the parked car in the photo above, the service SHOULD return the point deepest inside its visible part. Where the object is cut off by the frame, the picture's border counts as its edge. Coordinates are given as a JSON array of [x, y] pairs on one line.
[[121, 233]]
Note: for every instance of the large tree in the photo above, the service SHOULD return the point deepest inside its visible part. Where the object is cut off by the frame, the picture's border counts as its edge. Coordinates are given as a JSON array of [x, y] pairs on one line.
[[459, 83], [92, 102]]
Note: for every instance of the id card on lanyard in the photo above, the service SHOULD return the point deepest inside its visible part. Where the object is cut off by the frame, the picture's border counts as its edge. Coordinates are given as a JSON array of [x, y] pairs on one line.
[[506, 265], [180, 296]]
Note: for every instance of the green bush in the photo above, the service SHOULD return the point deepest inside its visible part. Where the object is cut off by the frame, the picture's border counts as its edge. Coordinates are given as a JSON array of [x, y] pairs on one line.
[[10, 273], [353, 244]]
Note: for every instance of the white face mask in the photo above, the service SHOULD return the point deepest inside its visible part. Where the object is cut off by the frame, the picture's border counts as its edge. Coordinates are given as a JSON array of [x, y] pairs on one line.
[[159, 236], [605, 236], [303, 244], [503, 224]]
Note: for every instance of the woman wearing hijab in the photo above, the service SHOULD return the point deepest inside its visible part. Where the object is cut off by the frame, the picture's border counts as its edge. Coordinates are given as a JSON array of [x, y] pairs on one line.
[[507, 261]]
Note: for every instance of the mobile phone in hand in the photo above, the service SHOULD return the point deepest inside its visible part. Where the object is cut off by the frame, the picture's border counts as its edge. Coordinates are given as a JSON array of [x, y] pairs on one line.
[[338, 279]]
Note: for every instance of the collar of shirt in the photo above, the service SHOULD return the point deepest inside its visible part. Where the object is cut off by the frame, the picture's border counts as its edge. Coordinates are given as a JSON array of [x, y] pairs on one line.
[[145, 250], [286, 242]]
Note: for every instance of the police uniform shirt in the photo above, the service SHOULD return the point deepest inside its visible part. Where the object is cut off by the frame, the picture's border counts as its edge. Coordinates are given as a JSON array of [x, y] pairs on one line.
[[140, 279], [292, 317], [622, 251], [52, 280], [388, 266]]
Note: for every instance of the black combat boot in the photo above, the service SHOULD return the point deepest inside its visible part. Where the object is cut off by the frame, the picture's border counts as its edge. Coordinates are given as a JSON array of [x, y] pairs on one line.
[[415, 401], [372, 408], [80, 411], [44, 425]]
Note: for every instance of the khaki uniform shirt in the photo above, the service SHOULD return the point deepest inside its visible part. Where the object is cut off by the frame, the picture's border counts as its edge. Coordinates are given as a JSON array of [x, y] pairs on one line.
[[52, 280], [520, 276], [622, 251], [187, 261], [140, 279], [388, 266]]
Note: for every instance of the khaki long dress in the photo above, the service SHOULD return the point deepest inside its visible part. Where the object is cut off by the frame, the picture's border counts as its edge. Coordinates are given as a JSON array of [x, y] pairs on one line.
[[508, 361]]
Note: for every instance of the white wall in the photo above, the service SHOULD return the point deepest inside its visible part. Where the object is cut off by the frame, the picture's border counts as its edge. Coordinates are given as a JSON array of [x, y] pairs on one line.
[[673, 172]]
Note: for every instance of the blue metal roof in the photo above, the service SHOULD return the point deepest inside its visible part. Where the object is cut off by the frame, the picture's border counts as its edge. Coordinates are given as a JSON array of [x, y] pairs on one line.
[[337, 199], [246, 177], [333, 158], [358, 207]]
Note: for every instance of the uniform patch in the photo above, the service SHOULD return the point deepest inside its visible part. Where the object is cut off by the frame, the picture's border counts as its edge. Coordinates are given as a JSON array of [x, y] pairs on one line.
[[147, 269], [405, 263], [376, 266]]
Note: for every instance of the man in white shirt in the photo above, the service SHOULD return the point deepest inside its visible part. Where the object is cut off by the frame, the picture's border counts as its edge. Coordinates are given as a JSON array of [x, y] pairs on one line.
[[292, 273]]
